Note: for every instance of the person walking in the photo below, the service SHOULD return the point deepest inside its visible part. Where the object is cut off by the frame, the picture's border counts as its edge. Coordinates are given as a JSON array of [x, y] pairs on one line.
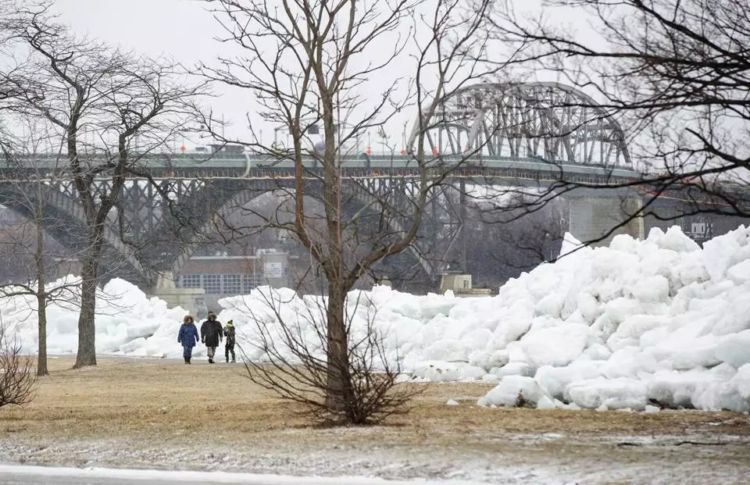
[[229, 333], [211, 334], [188, 337]]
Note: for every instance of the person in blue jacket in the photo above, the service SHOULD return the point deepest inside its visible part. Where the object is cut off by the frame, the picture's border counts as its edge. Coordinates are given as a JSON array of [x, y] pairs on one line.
[[188, 337]]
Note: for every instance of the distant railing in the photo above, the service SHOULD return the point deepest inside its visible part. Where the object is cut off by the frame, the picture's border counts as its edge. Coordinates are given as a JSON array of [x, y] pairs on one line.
[[249, 162]]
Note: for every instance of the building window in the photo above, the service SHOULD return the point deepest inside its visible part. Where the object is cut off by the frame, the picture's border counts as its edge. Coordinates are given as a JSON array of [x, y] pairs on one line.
[[232, 284], [190, 281], [221, 284], [249, 282], [212, 284]]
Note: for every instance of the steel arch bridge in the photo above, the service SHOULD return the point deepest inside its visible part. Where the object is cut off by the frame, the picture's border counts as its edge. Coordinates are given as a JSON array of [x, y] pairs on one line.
[[542, 120], [506, 134]]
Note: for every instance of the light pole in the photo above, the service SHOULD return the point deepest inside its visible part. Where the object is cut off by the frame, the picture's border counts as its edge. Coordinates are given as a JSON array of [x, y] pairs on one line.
[[403, 139], [276, 135]]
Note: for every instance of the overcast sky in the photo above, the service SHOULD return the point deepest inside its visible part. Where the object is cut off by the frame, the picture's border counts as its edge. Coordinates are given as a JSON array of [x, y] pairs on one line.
[[183, 30], [186, 31], [179, 28]]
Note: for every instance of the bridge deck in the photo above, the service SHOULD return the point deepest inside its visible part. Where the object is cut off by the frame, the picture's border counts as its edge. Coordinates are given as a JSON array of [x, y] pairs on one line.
[[259, 166]]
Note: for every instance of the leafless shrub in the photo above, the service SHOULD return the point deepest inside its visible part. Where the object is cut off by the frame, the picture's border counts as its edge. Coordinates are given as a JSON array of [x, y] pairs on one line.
[[288, 356], [16, 372]]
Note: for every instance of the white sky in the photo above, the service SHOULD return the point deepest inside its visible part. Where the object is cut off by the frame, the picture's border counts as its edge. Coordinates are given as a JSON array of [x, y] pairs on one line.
[[182, 29], [185, 31]]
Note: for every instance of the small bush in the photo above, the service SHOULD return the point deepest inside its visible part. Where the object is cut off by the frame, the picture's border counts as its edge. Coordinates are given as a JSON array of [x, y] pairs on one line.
[[16, 372]]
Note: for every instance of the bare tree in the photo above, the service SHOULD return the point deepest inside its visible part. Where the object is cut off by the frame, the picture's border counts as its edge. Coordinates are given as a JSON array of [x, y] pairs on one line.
[[16, 372], [316, 65], [99, 100], [25, 193], [677, 75]]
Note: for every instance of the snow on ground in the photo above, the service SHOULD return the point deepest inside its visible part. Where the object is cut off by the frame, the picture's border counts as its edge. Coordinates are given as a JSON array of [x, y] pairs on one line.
[[659, 321], [94, 475]]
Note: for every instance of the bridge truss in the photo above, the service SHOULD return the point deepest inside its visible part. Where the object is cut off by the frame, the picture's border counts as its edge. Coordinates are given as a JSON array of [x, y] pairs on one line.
[[540, 120]]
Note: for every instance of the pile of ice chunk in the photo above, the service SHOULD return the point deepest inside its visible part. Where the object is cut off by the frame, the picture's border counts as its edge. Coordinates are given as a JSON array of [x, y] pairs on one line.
[[655, 322], [127, 321], [638, 324]]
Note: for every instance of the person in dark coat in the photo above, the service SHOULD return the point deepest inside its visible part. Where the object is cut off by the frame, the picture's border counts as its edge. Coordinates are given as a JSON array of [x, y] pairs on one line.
[[211, 334], [229, 333], [188, 337]]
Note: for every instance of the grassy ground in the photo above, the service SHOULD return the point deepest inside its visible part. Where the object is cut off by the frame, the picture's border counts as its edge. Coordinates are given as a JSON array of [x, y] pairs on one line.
[[157, 413]]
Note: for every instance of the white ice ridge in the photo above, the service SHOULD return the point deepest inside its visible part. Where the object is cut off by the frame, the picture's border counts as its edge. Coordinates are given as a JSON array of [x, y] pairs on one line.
[[659, 322]]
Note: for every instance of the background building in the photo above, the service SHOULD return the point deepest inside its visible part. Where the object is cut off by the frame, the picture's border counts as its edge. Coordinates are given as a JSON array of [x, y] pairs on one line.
[[223, 275]]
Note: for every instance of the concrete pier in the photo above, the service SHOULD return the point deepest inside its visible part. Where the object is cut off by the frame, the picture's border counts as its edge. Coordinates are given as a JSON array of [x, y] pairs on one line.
[[191, 299], [593, 213]]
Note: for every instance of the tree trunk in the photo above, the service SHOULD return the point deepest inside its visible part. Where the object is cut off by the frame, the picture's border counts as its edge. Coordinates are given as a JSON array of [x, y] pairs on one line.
[[339, 386], [86, 320], [41, 283], [41, 301]]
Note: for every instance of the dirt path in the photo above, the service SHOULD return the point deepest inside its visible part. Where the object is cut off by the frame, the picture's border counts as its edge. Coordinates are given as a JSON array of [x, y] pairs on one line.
[[164, 414]]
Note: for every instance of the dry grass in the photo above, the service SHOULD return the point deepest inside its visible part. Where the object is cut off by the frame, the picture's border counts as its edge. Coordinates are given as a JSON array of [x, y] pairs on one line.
[[164, 414], [153, 399]]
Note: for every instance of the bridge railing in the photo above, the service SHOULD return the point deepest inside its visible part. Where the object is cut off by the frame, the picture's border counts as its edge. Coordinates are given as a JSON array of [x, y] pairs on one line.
[[195, 163]]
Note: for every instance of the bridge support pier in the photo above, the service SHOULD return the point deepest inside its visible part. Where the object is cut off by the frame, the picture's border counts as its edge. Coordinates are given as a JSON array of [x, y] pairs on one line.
[[594, 213], [191, 299]]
